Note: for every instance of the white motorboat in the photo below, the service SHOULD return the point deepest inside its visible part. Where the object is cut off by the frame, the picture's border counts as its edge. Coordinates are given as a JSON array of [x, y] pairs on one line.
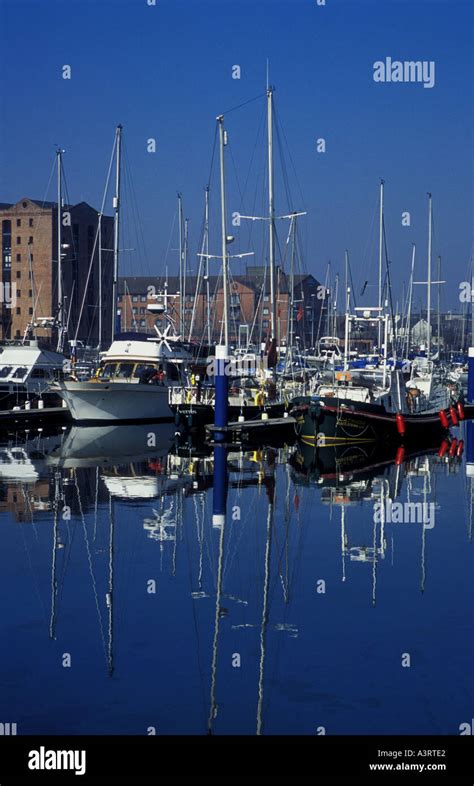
[[124, 388]]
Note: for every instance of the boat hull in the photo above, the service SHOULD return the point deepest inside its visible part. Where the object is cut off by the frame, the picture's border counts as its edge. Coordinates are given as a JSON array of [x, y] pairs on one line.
[[328, 422], [96, 402]]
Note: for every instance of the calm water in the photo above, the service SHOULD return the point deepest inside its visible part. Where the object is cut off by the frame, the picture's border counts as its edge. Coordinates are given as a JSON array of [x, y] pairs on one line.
[[124, 608]]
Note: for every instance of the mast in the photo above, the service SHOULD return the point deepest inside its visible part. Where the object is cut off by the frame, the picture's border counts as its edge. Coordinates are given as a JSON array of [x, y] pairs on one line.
[[271, 215], [59, 158], [206, 251], [292, 287], [438, 328], [225, 273], [410, 298], [100, 280], [428, 304], [185, 267], [382, 183], [116, 206], [181, 302], [265, 615]]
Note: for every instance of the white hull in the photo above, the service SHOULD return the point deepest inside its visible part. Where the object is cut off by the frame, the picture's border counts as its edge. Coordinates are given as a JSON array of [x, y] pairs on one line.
[[116, 401]]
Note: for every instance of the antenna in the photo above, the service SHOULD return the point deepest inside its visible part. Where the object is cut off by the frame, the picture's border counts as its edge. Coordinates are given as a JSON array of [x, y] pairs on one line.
[[268, 74]]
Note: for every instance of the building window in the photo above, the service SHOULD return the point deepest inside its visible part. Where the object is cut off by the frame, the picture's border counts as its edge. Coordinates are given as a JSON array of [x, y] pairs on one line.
[[135, 299], [266, 298], [30, 222], [31, 257], [18, 293], [17, 334], [143, 311], [30, 310], [265, 323], [265, 311], [143, 298], [18, 240], [18, 310], [30, 293], [24, 204], [18, 222], [134, 310], [142, 323], [29, 274], [18, 273], [30, 240], [18, 257]]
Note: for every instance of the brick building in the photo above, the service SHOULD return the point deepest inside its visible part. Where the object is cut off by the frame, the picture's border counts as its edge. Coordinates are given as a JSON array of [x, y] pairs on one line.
[[249, 306], [29, 270]]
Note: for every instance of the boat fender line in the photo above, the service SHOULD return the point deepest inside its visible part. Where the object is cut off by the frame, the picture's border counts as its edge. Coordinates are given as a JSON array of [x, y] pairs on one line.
[[443, 418], [400, 424], [454, 415], [452, 449], [460, 410]]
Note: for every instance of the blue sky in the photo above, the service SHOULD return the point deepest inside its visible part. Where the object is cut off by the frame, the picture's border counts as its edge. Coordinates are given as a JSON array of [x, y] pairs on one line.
[[165, 72]]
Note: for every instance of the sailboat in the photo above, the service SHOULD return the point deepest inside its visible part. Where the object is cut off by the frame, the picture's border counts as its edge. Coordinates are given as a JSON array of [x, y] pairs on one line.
[[123, 388]]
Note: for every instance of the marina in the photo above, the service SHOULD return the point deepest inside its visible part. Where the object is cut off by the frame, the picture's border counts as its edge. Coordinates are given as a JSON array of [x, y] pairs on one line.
[[236, 392]]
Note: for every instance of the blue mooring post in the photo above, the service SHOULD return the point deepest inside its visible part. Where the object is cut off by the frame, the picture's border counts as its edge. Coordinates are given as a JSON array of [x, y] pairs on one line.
[[469, 426], [219, 499], [470, 376], [222, 393]]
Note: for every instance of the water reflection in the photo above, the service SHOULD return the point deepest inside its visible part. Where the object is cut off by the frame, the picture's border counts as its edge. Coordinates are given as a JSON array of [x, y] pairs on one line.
[[268, 586]]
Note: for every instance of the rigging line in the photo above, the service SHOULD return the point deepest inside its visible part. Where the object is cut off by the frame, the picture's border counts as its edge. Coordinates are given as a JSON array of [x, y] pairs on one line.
[[89, 559], [54, 581], [102, 206], [139, 233], [280, 126], [262, 95], [33, 575], [389, 283], [195, 622], [214, 147], [284, 170]]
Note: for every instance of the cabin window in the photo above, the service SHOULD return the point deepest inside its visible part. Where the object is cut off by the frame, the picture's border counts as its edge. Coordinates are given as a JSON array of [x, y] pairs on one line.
[[19, 373], [172, 372], [125, 370], [109, 370], [141, 367], [5, 371]]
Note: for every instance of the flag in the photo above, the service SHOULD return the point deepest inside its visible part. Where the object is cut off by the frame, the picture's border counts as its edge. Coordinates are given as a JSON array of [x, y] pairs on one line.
[[300, 313]]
